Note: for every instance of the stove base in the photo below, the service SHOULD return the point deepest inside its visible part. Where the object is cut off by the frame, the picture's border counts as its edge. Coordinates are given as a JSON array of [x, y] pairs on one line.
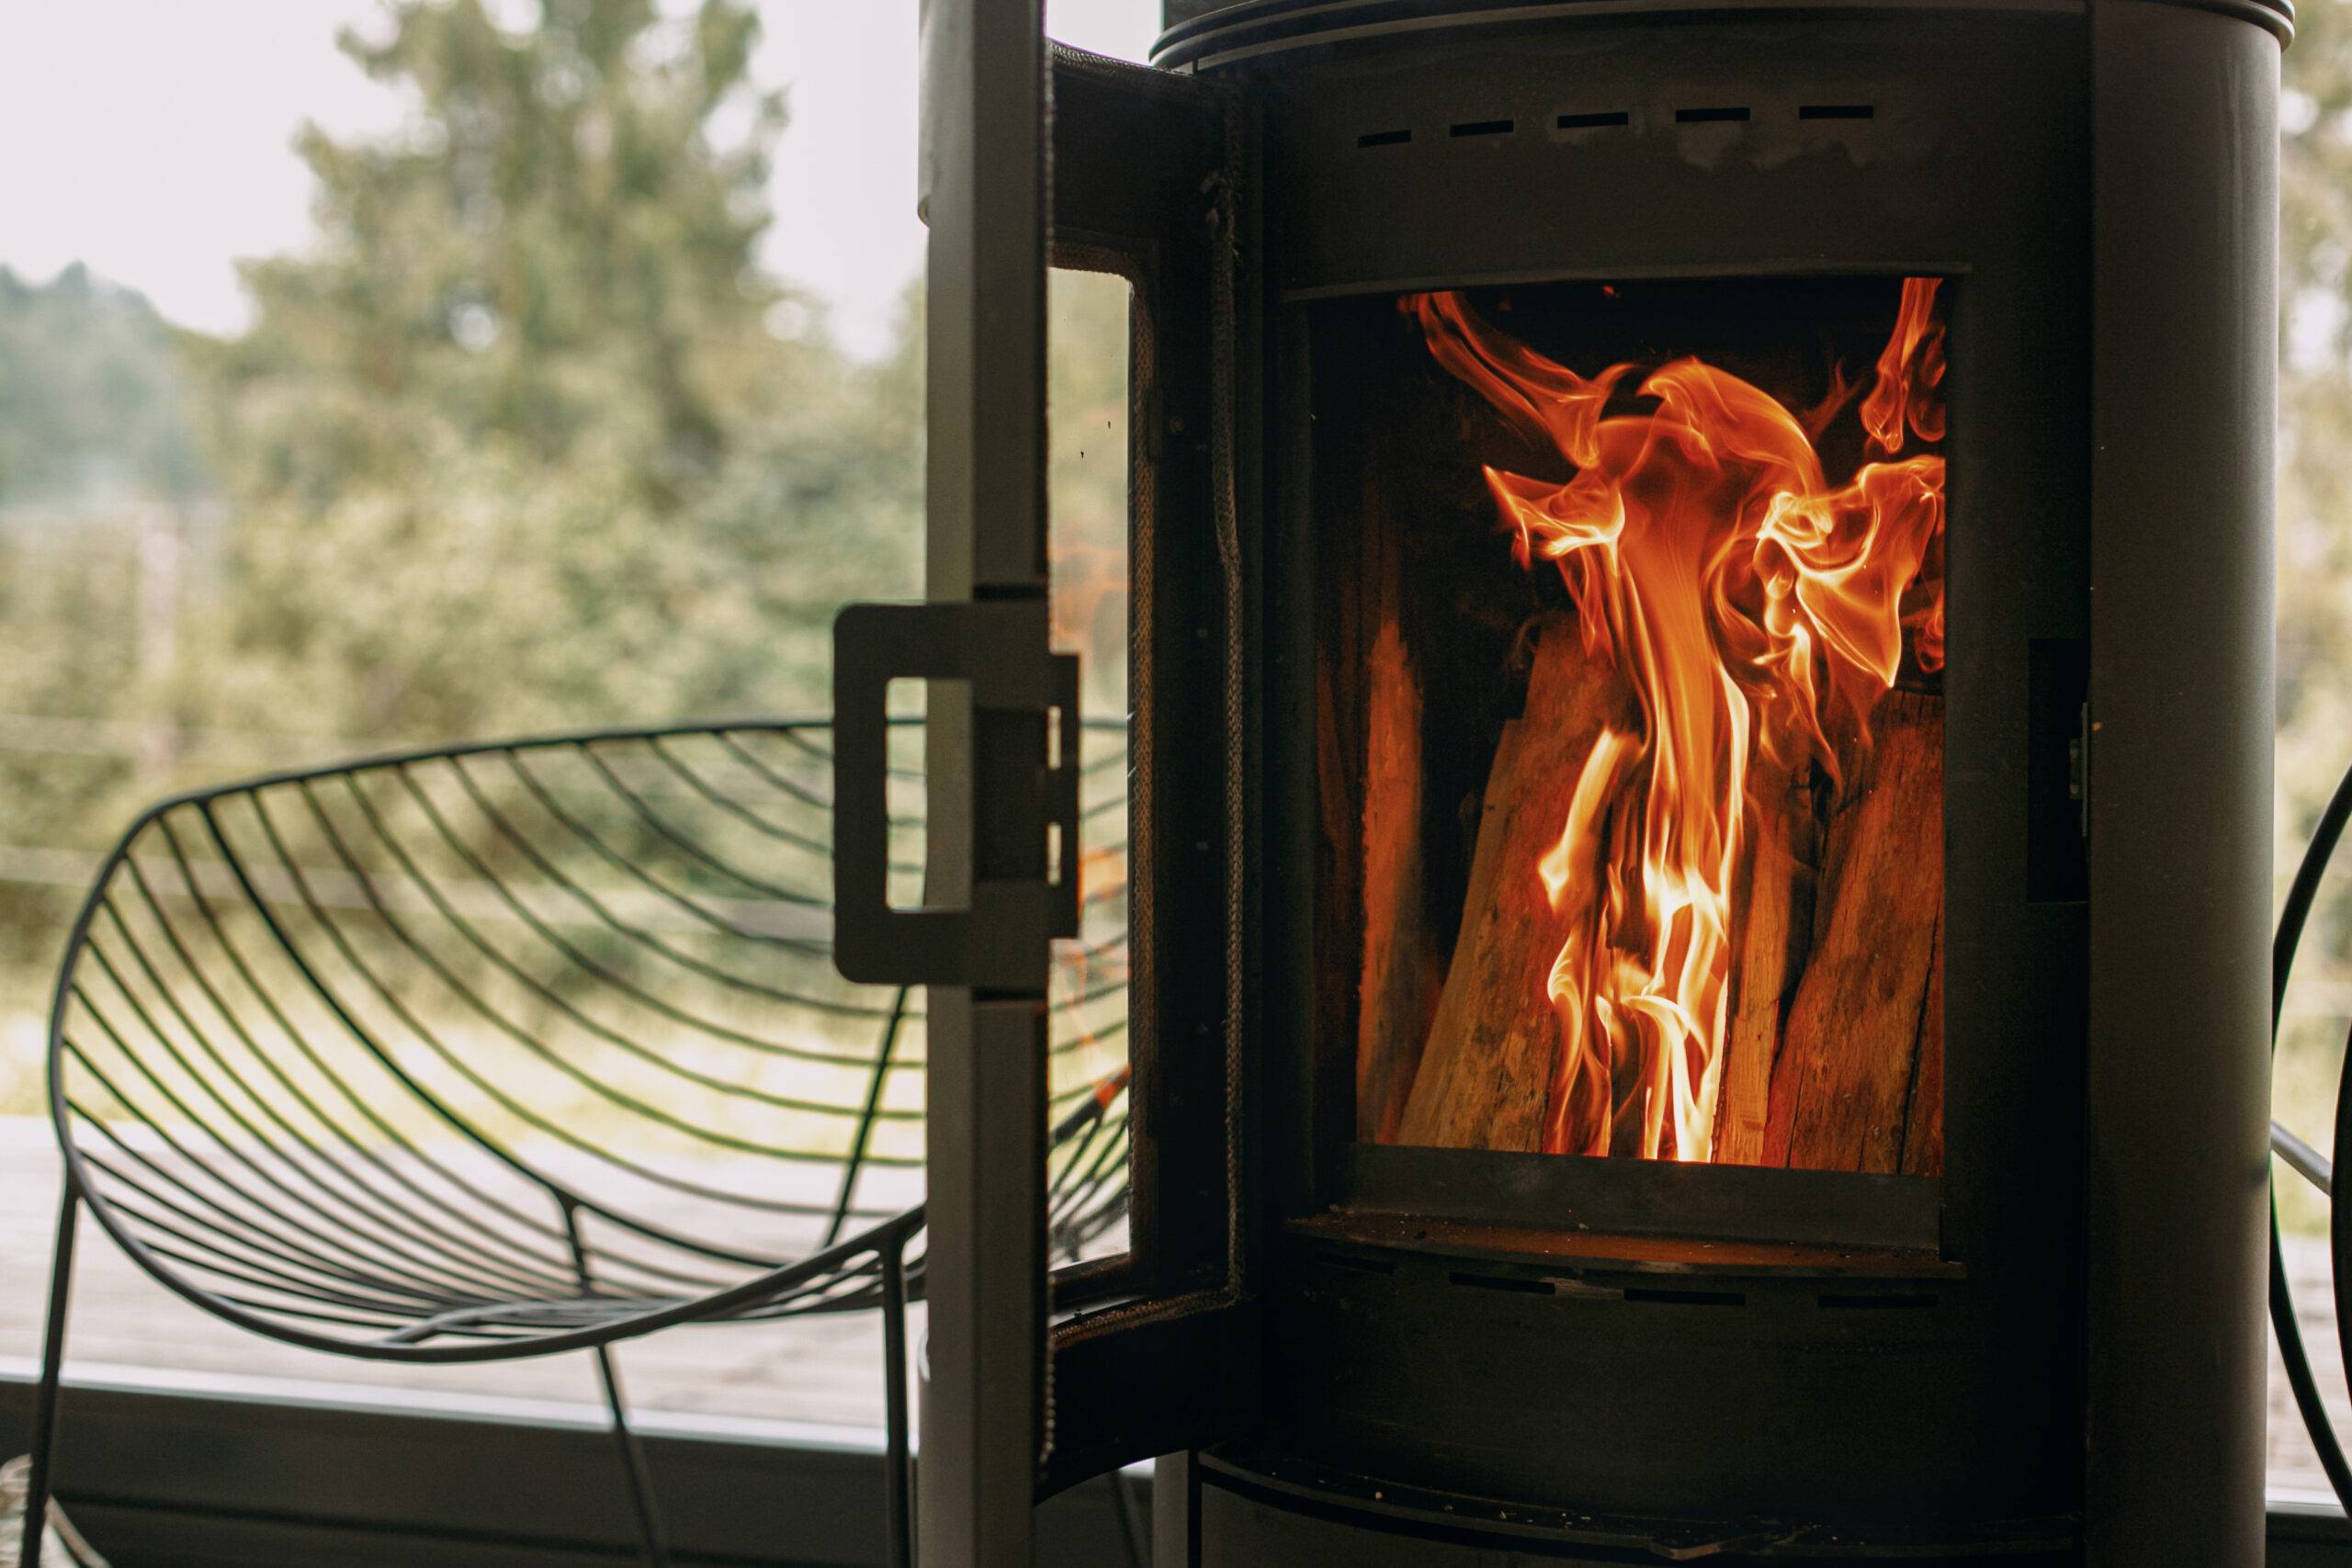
[[1218, 1511]]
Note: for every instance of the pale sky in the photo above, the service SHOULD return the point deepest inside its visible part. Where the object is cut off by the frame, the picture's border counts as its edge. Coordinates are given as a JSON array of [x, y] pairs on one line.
[[152, 139]]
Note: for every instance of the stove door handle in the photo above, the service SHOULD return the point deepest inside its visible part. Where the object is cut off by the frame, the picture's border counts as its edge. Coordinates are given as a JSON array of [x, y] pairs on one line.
[[1013, 838]]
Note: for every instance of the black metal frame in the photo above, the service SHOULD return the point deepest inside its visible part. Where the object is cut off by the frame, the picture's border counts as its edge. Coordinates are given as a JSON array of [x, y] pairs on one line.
[[1154, 180], [1036, 154], [1856, 1209], [228, 1099]]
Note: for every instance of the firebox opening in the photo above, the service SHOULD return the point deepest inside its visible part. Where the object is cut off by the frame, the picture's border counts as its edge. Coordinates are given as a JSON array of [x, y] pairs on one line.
[[1630, 614]]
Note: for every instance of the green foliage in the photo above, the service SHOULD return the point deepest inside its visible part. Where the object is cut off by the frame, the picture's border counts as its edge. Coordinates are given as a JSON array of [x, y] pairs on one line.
[[554, 262], [512, 444]]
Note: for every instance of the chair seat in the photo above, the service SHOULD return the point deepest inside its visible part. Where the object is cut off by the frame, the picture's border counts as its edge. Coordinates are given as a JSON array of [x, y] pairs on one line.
[[497, 1049]]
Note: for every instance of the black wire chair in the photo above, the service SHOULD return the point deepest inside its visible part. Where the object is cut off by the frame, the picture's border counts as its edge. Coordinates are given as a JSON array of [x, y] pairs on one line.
[[530, 1046], [2294, 915]]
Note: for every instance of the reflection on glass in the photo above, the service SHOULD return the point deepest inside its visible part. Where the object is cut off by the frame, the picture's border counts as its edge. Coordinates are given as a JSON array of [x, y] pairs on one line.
[[1087, 400]]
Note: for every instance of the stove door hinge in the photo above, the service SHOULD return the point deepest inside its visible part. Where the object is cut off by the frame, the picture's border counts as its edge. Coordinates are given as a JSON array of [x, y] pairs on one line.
[[1018, 739]]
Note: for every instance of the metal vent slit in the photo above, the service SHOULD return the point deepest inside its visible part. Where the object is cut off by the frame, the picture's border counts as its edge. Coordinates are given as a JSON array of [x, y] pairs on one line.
[[1837, 111], [1709, 115], [1384, 138], [1593, 121], [1360, 1265], [1687, 1298], [1484, 128], [1503, 1282]]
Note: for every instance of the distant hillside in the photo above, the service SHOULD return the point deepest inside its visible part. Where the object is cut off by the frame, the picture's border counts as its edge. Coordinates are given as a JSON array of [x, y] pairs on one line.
[[94, 406]]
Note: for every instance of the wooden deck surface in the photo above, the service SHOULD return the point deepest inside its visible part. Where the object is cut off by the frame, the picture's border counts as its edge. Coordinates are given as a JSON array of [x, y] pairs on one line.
[[822, 1372]]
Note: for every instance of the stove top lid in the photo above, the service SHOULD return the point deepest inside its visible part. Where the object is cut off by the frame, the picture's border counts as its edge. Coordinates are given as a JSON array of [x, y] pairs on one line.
[[1214, 31]]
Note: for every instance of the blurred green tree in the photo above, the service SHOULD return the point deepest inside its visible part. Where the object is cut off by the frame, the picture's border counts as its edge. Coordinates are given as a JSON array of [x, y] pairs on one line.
[[512, 444], [524, 438]]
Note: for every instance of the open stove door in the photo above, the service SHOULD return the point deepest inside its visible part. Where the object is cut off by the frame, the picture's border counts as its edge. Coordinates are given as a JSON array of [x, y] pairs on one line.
[[1032, 153], [1154, 179]]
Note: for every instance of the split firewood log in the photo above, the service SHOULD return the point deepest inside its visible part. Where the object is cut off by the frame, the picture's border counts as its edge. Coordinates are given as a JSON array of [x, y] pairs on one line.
[[1485, 1070], [1866, 1022], [1923, 1133], [1399, 989], [1772, 930]]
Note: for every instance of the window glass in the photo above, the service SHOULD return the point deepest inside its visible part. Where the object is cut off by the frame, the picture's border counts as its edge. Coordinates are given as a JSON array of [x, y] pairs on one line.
[[1088, 554], [556, 379], [1123, 29]]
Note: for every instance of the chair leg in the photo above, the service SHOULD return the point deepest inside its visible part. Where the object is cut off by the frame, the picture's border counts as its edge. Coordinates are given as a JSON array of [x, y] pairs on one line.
[[898, 1449], [52, 1368], [651, 1545]]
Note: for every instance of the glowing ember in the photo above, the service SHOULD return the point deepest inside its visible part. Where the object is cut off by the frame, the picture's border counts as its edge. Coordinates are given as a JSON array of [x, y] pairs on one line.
[[1755, 610]]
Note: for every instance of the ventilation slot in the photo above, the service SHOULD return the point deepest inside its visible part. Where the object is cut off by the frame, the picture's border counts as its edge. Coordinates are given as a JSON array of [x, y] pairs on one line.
[[1708, 116], [1484, 128], [1384, 138], [1878, 1304], [1837, 111], [1503, 1282], [1593, 121], [1355, 1263], [1687, 1298]]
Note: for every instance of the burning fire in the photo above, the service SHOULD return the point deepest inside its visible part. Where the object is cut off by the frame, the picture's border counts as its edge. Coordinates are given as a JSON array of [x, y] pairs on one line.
[[1754, 609]]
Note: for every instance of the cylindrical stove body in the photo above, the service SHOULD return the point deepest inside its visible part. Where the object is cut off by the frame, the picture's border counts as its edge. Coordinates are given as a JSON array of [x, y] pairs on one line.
[[2055, 1348]]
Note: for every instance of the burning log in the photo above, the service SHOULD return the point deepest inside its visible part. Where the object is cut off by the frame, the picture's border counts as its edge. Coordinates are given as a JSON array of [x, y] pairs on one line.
[[1774, 906], [1486, 1068], [1866, 1025], [1399, 986], [1851, 1080]]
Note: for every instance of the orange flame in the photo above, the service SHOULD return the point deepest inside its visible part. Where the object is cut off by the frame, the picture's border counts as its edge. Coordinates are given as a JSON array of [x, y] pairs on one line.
[[1745, 599]]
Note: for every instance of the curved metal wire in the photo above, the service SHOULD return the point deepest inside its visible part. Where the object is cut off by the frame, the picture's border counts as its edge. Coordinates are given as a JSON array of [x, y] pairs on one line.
[[388, 1057], [2293, 915]]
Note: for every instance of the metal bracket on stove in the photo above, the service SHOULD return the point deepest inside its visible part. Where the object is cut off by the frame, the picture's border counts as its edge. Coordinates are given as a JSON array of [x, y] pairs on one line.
[[997, 938]]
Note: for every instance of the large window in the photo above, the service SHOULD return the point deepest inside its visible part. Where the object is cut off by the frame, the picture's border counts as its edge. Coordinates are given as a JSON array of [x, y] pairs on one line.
[[497, 373], [496, 370]]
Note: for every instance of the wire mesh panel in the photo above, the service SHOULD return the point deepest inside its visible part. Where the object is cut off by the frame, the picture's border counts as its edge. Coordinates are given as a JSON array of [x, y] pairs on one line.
[[391, 1057]]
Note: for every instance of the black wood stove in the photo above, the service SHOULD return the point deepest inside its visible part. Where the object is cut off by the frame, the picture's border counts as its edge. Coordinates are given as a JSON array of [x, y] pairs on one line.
[[1700, 668]]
